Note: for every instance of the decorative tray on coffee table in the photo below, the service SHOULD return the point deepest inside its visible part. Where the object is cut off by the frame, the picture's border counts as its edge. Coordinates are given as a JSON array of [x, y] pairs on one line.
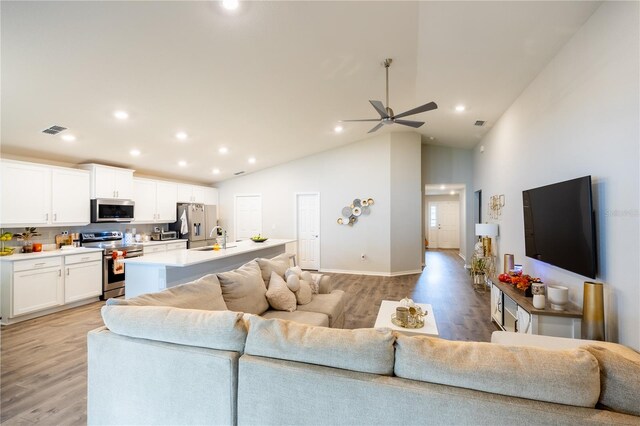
[[416, 319]]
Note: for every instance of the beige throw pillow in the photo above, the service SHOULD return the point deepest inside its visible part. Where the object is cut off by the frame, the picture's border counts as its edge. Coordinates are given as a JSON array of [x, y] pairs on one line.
[[308, 277], [304, 293], [243, 289], [278, 264], [294, 270], [293, 282], [279, 296]]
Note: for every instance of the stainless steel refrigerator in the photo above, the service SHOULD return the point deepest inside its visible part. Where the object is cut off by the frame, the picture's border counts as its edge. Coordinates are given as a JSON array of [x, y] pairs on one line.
[[192, 224]]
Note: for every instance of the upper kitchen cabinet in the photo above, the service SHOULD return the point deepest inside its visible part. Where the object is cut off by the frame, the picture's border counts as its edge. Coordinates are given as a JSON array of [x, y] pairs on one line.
[[110, 182], [197, 194], [155, 201], [40, 195]]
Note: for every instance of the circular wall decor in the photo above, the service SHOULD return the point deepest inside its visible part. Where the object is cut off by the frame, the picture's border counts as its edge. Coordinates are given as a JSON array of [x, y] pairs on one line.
[[358, 208]]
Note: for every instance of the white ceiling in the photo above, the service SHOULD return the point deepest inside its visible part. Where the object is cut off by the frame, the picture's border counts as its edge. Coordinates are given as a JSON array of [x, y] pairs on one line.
[[270, 81]]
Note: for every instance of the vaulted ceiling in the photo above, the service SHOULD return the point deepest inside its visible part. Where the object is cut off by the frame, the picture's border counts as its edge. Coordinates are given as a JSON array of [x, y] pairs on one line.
[[269, 80]]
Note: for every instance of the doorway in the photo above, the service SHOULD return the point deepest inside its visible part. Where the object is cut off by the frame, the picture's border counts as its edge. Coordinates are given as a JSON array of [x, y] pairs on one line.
[[308, 229], [247, 221], [444, 224]]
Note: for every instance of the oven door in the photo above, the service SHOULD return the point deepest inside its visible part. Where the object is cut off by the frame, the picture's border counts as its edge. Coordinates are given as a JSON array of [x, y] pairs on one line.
[[114, 283]]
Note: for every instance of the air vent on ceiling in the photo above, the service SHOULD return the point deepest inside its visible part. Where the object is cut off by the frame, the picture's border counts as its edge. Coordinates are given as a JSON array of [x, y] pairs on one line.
[[238, 173], [54, 130], [480, 123]]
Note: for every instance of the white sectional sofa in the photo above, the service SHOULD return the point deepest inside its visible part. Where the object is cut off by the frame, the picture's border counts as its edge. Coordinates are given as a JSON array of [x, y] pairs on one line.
[[190, 365]]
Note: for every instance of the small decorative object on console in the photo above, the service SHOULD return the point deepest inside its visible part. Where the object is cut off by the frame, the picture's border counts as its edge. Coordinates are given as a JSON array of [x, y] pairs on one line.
[[558, 296], [29, 232], [520, 281], [537, 289], [408, 316]]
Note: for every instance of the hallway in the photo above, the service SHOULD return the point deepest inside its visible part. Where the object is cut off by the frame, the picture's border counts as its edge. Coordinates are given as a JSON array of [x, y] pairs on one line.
[[461, 313]]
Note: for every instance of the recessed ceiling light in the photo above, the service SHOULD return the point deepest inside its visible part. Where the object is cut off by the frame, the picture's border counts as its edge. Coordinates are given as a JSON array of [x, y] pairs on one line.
[[223, 150], [216, 171], [230, 4], [134, 152], [182, 136], [460, 108], [182, 163], [252, 160], [338, 129], [442, 187], [431, 138], [453, 193], [121, 115], [68, 138]]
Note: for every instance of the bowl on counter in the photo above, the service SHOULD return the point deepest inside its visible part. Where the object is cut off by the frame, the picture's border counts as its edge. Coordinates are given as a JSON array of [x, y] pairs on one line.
[[259, 239]]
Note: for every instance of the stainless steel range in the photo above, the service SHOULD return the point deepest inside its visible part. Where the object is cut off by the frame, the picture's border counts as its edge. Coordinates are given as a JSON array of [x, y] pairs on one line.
[[113, 278]]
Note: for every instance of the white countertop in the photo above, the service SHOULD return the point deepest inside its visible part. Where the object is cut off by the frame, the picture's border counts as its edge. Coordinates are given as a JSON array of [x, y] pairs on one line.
[[154, 243], [28, 256], [182, 258]]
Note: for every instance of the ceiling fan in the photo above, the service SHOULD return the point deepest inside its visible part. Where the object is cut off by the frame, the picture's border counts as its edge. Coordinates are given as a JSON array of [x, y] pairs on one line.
[[386, 114]]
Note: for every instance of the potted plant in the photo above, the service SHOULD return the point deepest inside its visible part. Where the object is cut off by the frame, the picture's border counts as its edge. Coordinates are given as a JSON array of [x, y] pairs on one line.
[[29, 232], [478, 268]]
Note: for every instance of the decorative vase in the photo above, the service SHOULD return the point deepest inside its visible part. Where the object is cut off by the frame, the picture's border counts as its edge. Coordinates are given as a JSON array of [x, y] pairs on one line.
[[539, 301], [508, 263], [27, 247], [593, 311], [558, 296]]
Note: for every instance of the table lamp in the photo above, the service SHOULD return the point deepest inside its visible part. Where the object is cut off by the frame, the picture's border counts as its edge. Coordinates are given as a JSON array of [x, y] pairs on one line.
[[486, 231]]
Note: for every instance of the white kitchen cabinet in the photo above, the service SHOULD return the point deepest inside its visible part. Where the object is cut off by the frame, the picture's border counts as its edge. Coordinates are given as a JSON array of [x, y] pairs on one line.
[[155, 248], [110, 182], [177, 245], [70, 196], [155, 201], [26, 194], [166, 199], [83, 277], [37, 289], [39, 195], [197, 194]]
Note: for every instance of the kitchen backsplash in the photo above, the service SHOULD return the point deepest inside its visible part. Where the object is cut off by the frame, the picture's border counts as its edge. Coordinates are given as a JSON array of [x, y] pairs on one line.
[[49, 233]]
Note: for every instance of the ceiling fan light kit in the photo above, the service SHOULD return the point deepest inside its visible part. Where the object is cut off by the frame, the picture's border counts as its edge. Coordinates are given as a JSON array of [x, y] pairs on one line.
[[386, 113]]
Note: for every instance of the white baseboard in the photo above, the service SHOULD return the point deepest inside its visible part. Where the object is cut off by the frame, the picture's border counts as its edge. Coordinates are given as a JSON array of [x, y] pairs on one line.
[[371, 273], [464, 259]]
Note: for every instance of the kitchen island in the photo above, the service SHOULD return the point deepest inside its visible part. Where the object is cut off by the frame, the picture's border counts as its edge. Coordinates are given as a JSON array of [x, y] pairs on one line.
[[156, 272]]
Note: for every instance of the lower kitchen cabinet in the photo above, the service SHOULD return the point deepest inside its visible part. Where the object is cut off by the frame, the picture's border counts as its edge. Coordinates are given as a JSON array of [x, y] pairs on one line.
[[41, 285], [37, 289], [83, 279]]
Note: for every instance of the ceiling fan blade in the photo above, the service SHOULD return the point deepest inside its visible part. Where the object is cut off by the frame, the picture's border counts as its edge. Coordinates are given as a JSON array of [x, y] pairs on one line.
[[376, 128], [426, 107], [409, 123], [364, 119], [379, 106]]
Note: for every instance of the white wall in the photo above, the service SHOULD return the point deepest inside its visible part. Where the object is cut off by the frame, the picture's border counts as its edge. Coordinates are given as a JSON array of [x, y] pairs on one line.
[[406, 203], [359, 170], [446, 165], [580, 116]]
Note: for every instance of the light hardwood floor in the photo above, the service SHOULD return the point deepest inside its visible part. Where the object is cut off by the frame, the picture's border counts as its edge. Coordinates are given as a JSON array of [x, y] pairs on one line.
[[44, 361]]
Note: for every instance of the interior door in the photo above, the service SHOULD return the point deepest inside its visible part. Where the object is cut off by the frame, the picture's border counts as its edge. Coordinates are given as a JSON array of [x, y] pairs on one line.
[[248, 216], [448, 224], [308, 230]]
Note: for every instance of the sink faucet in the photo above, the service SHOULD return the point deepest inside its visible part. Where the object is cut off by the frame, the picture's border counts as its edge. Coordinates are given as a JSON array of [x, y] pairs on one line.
[[224, 236]]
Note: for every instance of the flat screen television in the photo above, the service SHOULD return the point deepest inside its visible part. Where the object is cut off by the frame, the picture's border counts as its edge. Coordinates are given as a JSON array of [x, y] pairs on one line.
[[559, 225]]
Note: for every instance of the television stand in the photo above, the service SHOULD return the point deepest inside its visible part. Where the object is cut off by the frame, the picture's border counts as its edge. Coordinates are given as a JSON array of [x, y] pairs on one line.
[[512, 311]]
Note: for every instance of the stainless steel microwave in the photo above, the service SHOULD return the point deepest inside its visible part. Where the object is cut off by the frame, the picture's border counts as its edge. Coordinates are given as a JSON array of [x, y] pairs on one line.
[[108, 210]]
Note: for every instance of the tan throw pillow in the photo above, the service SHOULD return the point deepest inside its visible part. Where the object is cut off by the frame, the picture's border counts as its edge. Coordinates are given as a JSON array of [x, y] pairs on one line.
[[308, 277], [243, 289], [619, 377], [279, 296], [294, 270], [204, 293], [293, 282], [304, 293], [278, 264]]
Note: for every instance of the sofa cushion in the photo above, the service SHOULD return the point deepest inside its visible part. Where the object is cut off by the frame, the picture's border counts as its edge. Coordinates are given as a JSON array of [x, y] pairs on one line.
[[243, 289], [279, 296], [223, 330], [204, 293], [619, 376], [325, 285], [366, 350], [309, 318], [330, 304], [278, 264], [304, 295], [568, 377]]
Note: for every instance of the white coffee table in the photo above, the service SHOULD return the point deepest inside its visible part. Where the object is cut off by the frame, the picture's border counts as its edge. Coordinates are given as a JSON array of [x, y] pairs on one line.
[[388, 307]]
